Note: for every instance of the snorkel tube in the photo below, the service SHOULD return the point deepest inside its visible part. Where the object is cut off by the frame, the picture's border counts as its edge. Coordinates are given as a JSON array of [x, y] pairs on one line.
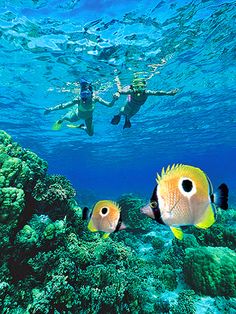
[[86, 90]]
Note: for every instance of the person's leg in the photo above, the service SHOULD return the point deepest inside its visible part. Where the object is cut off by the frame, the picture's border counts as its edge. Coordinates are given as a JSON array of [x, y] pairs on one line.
[[129, 111], [89, 126], [69, 116], [116, 119], [127, 123]]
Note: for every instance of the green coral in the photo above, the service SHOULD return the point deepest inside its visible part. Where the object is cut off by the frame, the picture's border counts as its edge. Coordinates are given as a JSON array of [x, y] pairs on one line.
[[19, 167], [211, 271], [222, 233], [27, 237], [12, 203], [185, 303], [130, 212], [53, 189], [167, 275], [53, 264]]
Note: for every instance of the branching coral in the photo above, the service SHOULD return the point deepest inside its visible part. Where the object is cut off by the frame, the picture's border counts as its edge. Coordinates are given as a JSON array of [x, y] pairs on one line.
[[185, 303]]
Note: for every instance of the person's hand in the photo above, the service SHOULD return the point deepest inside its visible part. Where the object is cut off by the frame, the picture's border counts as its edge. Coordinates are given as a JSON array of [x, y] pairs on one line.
[[174, 91], [47, 110], [116, 95]]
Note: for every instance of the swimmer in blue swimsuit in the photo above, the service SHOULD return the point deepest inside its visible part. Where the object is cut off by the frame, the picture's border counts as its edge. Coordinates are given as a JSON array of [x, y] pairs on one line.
[[137, 96], [83, 108]]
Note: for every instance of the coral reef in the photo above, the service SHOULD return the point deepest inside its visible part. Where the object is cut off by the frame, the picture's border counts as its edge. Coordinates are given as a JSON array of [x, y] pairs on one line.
[[51, 263], [222, 233], [130, 212], [185, 303], [211, 270]]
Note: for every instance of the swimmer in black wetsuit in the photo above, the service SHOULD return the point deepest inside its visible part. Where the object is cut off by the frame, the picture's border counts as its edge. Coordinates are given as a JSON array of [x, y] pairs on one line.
[[137, 95]]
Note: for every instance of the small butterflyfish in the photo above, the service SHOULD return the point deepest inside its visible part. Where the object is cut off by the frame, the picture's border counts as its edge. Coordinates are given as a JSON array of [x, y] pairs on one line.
[[105, 217]]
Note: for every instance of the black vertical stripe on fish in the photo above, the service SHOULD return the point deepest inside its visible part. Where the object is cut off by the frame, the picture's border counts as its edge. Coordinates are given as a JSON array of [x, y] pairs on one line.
[[85, 213], [212, 198], [118, 225], [155, 208]]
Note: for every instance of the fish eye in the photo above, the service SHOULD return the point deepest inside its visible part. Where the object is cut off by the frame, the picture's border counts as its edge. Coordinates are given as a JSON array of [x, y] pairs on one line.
[[104, 211], [153, 204], [187, 185]]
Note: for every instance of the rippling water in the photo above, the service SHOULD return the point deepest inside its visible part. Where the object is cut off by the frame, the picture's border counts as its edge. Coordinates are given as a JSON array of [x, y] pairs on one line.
[[47, 46]]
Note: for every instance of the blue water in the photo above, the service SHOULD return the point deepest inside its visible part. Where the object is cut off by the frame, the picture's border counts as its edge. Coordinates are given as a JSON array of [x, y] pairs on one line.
[[47, 46]]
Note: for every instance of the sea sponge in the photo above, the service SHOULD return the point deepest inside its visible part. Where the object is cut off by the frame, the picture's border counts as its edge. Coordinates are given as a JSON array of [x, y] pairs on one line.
[[211, 271]]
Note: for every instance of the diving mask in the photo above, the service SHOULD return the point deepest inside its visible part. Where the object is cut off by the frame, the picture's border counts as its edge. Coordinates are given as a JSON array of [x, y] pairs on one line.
[[86, 95], [139, 85]]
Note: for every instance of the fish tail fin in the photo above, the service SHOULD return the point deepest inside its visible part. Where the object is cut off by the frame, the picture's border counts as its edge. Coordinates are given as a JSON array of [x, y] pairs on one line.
[[208, 218], [178, 233], [85, 213], [106, 235], [221, 196]]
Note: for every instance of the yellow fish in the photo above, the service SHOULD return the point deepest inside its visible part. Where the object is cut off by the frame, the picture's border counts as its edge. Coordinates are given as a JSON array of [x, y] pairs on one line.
[[184, 196], [105, 217]]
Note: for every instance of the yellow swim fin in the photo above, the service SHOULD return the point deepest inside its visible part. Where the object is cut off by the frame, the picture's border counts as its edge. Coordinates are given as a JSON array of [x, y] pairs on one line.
[[91, 227], [56, 126], [178, 233], [208, 218], [106, 235]]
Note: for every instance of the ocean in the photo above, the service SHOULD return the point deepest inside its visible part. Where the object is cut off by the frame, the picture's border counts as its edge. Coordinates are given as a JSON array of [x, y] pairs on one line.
[[47, 47]]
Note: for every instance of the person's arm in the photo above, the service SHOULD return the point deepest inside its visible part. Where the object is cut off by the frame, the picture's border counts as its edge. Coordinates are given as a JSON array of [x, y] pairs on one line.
[[161, 92], [61, 106], [122, 90], [106, 103]]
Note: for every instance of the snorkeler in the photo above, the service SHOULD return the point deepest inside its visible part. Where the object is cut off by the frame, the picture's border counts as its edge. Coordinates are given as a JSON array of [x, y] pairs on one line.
[[83, 108], [137, 96]]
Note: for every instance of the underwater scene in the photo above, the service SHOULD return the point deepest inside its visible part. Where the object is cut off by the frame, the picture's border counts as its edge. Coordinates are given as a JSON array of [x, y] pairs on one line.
[[117, 157]]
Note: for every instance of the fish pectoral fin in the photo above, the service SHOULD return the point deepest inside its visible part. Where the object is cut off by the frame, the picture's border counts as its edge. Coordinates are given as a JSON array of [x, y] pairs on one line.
[[208, 218], [106, 235], [91, 227], [178, 233]]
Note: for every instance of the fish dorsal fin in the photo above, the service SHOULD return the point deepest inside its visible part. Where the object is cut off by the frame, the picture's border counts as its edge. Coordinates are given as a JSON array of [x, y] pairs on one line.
[[208, 218], [178, 233], [167, 171], [117, 205]]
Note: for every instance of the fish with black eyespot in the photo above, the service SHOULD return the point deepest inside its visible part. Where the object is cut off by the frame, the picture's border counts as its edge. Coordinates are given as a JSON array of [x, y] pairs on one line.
[[184, 196], [105, 216]]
